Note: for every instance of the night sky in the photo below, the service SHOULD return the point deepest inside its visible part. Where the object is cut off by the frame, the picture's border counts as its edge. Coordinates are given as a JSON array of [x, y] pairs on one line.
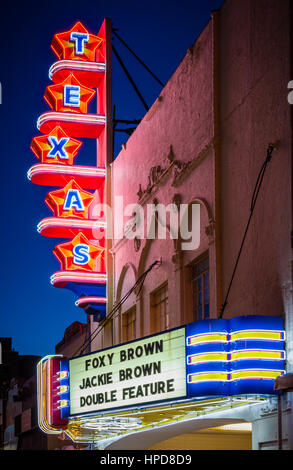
[[33, 312]]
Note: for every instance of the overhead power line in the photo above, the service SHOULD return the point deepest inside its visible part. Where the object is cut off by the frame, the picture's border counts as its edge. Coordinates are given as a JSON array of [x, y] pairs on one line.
[[137, 58], [111, 314], [255, 194], [135, 87], [130, 78]]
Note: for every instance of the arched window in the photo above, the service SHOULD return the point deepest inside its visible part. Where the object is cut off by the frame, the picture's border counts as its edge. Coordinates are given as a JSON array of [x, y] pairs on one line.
[[159, 309], [200, 288], [129, 325]]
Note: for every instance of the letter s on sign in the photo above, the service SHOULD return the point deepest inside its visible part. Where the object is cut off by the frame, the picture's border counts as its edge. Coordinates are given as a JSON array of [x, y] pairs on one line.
[[81, 254], [290, 96]]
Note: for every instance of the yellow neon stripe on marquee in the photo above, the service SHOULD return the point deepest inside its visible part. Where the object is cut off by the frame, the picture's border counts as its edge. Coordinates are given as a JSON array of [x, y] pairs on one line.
[[237, 375], [257, 354], [257, 335], [207, 338], [208, 377], [255, 374], [238, 335], [209, 357]]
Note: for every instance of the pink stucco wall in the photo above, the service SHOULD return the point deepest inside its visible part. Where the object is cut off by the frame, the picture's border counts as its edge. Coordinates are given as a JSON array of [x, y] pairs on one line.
[[254, 112], [181, 118], [230, 89]]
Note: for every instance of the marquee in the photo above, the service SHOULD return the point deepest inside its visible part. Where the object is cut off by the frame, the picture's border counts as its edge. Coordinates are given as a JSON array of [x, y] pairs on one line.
[[210, 358]]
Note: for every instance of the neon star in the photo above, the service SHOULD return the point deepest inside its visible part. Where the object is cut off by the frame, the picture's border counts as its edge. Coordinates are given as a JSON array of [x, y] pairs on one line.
[[76, 44], [71, 201], [69, 95], [78, 254], [55, 147]]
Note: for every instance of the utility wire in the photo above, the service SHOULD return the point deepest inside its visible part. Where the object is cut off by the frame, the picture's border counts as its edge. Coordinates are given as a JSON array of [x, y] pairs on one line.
[[119, 304], [130, 78], [252, 206], [137, 58], [110, 316], [115, 122]]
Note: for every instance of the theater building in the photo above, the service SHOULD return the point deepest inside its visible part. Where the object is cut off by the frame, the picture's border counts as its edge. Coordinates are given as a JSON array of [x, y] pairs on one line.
[[204, 141], [216, 294]]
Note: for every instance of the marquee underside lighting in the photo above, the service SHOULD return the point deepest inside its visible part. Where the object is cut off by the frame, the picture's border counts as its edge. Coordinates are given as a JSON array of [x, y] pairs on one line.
[[87, 429]]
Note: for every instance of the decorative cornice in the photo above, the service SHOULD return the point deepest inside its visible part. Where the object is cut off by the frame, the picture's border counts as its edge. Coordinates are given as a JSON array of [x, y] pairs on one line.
[[182, 170], [158, 174], [179, 169], [155, 179]]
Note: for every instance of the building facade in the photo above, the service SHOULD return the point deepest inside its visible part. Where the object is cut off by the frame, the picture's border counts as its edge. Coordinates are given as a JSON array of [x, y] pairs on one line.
[[203, 144], [18, 397], [75, 336], [18, 394]]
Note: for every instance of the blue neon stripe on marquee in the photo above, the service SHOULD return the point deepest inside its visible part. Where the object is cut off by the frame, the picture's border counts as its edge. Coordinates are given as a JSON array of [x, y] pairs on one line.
[[227, 387]]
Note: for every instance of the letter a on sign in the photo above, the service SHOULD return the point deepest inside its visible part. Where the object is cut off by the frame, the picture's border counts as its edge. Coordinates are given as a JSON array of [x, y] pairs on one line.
[[70, 201], [73, 201]]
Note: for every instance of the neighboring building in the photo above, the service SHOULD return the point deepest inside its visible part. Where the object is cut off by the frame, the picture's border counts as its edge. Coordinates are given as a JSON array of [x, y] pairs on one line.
[[27, 430], [8, 356], [74, 340], [204, 141], [18, 398]]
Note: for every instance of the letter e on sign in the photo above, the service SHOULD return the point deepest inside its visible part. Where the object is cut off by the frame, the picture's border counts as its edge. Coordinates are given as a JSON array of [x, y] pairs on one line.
[[72, 96]]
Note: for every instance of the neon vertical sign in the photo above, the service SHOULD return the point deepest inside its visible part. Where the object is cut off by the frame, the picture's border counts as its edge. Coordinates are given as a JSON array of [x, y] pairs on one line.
[[79, 76]]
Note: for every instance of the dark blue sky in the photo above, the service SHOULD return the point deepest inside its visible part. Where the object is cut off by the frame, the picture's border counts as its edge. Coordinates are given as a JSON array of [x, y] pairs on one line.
[[33, 312]]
